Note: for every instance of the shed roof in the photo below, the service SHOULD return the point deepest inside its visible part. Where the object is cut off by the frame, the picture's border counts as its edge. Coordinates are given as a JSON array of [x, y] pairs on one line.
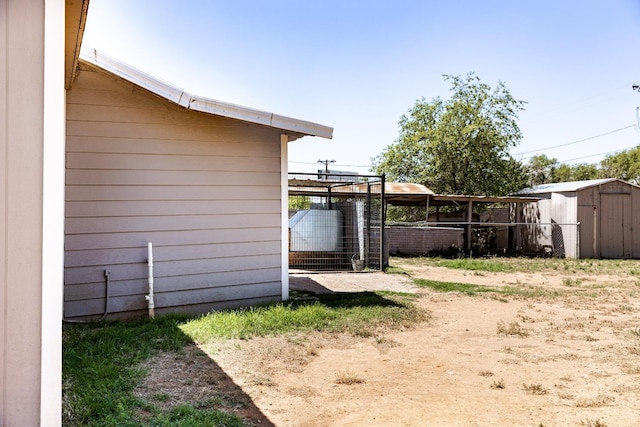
[[296, 128], [393, 190], [559, 187], [396, 193]]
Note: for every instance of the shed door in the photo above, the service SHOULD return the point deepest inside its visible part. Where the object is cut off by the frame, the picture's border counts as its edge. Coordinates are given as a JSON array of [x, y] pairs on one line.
[[615, 226]]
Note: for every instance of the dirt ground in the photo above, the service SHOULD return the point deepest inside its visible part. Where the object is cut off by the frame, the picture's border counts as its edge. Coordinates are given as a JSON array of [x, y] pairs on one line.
[[571, 359]]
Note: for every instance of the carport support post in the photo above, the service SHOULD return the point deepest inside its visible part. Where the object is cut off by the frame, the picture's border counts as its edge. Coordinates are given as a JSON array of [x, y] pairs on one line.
[[367, 239], [426, 216], [469, 218], [383, 222]]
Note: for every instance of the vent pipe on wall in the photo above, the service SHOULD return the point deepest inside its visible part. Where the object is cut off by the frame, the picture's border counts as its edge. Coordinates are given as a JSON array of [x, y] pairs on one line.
[[149, 297]]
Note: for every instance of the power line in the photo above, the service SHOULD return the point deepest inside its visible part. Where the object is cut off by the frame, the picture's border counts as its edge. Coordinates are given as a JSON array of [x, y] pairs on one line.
[[578, 104], [594, 155], [578, 141]]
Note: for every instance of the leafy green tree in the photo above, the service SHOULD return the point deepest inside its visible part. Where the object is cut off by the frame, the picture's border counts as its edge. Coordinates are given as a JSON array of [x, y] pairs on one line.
[[544, 170], [579, 172], [541, 169], [624, 165], [461, 145]]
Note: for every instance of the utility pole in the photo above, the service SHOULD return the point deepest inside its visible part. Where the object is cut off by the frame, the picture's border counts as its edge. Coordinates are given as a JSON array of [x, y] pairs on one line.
[[326, 164]]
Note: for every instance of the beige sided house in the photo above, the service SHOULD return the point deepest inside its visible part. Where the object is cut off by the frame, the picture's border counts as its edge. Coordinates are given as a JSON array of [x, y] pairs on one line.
[[38, 48], [204, 181]]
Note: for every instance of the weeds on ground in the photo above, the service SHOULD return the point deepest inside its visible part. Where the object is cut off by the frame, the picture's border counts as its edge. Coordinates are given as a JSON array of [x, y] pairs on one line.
[[348, 378], [593, 423], [535, 389], [568, 281], [512, 328], [594, 402], [498, 385]]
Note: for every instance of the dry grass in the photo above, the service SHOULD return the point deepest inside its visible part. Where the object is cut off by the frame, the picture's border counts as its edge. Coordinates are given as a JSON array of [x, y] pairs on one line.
[[348, 378], [512, 329], [535, 389], [498, 385], [593, 423], [595, 402]]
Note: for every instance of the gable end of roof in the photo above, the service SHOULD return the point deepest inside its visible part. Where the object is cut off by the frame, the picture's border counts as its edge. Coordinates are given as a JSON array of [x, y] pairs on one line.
[[297, 128]]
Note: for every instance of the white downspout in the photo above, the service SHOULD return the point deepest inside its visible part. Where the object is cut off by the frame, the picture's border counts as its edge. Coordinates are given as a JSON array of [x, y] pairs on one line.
[[150, 264]]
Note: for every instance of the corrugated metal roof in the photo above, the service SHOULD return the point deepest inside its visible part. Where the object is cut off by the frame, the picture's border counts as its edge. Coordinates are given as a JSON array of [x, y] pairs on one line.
[[402, 188], [560, 187], [396, 193], [444, 199], [198, 103], [341, 188]]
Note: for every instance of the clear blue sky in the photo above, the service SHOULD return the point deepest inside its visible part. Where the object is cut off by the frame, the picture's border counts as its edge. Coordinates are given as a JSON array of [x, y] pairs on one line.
[[359, 65]]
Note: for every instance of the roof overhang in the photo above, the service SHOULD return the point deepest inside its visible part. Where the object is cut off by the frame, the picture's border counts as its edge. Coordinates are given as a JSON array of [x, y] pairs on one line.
[[294, 128], [75, 17]]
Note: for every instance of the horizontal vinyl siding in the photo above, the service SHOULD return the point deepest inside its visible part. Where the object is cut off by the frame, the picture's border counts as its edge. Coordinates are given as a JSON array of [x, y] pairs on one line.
[[205, 190]]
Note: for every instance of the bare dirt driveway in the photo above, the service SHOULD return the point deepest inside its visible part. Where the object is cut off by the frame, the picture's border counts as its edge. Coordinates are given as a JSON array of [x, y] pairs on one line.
[[566, 354]]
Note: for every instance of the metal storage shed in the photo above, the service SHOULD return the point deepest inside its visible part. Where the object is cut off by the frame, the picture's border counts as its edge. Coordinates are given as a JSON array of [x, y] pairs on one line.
[[590, 219]]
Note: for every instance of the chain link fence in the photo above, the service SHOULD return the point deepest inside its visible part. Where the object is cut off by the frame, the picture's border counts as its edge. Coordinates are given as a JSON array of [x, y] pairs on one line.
[[336, 221]]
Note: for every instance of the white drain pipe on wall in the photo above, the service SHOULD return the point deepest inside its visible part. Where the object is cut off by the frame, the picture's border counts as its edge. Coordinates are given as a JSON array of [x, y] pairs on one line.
[[150, 265]]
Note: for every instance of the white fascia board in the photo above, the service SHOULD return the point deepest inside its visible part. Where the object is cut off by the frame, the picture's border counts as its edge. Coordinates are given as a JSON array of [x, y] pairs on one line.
[[202, 104], [246, 114], [231, 111], [301, 126], [135, 76]]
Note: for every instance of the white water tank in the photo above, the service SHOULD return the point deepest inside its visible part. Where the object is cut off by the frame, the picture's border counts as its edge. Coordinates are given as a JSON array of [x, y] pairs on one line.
[[314, 230]]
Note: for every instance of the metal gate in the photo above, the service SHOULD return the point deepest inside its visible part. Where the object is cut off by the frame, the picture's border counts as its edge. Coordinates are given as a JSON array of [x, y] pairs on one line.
[[336, 221]]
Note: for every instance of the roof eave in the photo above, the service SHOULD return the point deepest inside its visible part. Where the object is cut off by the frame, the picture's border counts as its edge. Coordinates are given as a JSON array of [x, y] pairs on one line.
[[75, 19], [296, 128]]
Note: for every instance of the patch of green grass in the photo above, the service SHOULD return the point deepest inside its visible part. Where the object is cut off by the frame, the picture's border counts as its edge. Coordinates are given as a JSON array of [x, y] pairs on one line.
[[569, 281], [395, 270], [475, 264], [100, 371], [465, 288], [359, 313], [586, 267], [469, 289], [101, 361], [188, 416]]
